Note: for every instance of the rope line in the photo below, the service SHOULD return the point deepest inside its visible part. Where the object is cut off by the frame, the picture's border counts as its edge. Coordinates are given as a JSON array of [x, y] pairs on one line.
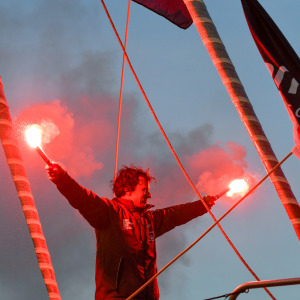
[[121, 93], [174, 153]]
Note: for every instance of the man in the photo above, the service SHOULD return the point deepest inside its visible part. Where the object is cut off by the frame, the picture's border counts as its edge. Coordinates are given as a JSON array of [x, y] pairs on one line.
[[125, 229]]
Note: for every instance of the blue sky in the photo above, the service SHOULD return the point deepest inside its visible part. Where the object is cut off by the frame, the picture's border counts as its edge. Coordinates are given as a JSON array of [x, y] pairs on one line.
[[61, 60]]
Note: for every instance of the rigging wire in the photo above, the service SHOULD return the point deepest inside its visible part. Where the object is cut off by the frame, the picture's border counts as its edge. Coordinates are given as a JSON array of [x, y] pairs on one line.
[[121, 92], [174, 153]]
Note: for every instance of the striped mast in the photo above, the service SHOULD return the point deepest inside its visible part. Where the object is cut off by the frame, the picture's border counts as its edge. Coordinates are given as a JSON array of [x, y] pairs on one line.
[[239, 98], [17, 169]]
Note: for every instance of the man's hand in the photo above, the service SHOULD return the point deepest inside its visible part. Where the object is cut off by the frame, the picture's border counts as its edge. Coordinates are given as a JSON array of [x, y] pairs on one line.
[[55, 172], [210, 200]]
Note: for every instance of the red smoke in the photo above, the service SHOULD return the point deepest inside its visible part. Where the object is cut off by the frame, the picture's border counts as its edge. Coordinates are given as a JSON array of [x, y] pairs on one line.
[[81, 137], [216, 166], [85, 142], [211, 170]]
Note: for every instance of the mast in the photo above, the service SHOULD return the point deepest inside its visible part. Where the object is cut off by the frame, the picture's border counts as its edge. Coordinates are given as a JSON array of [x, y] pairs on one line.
[[16, 166], [239, 98]]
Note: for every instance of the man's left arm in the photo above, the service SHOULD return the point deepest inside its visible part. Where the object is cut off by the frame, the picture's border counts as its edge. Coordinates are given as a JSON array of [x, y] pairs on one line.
[[168, 218]]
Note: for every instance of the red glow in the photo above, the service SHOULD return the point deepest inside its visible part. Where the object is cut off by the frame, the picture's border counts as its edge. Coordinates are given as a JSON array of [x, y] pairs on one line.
[[237, 187], [43, 132]]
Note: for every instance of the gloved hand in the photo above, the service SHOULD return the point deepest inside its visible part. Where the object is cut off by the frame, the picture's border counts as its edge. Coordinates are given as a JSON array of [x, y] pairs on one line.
[[210, 200], [55, 172]]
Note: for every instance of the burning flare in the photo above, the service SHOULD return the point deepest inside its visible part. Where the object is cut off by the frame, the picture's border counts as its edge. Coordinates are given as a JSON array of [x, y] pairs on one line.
[[33, 134], [237, 186]]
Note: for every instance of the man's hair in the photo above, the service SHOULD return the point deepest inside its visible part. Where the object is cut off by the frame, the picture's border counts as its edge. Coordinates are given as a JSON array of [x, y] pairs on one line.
[[128, 178]]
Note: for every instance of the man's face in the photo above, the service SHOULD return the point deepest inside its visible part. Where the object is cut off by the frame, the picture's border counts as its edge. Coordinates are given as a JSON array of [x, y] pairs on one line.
[[141, 193]]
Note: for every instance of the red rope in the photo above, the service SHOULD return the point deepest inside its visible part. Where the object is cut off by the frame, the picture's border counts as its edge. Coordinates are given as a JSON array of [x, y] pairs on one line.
[[121, 92], [173, 151]]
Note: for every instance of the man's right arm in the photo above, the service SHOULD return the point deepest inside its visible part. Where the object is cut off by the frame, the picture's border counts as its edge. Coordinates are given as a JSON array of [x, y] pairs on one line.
[[92, 207]]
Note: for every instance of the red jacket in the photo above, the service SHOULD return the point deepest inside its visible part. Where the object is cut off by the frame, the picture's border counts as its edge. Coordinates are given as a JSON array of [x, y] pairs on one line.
[[126, 251]]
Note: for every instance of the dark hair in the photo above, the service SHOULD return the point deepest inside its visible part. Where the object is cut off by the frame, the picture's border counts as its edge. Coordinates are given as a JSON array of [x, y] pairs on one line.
[[127, 179]]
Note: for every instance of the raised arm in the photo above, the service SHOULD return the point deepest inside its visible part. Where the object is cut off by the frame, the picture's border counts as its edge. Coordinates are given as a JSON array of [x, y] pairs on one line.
[[93, 208], [168, 218]]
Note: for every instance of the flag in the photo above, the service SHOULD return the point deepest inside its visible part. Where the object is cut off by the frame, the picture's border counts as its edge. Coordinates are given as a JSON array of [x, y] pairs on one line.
[[173, 10], [279, 57]]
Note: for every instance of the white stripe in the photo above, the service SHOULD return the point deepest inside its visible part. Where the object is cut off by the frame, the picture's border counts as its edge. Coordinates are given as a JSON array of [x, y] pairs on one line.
[[3, 101], [50, 281], [290, 201], [249, 118], [38, 236], [186, 1], [203, 20], [270, 157], [29, 208], [219, 60], [20, 178], [231, 80], [295, 221], [45, 266], [5, 122], [53, 296], [42, 250], [16, 161], [211, 40], [9, 142], [33, 221], [280, 179], [260, 138], [241, 99], [25, 194]]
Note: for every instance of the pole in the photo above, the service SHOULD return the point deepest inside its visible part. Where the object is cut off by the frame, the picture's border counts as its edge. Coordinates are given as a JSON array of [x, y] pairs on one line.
[[15, 163], [235, 89]]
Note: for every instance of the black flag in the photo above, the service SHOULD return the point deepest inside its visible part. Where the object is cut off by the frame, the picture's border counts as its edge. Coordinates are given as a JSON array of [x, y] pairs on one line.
[[279, 57]]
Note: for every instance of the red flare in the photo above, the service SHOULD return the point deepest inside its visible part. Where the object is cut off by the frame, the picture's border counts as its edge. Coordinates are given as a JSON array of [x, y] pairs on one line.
[[33, 135], [237, 186]]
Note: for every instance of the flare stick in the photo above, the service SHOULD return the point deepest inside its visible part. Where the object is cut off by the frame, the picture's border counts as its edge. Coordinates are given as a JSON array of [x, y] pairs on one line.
[[43, 155], [222, 193]]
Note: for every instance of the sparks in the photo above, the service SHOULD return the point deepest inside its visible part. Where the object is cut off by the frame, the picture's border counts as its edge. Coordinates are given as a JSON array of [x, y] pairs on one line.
[[238, 186]]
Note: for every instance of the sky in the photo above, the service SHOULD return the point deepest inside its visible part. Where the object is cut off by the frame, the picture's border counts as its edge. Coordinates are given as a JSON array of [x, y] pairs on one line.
[[61, 64]]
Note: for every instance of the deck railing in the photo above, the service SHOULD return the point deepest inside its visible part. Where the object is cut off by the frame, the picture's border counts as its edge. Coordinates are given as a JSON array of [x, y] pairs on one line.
[[261, 284]]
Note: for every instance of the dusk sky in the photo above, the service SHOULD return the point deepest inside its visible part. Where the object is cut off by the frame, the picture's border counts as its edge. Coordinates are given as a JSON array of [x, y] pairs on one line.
[[60, 64]]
